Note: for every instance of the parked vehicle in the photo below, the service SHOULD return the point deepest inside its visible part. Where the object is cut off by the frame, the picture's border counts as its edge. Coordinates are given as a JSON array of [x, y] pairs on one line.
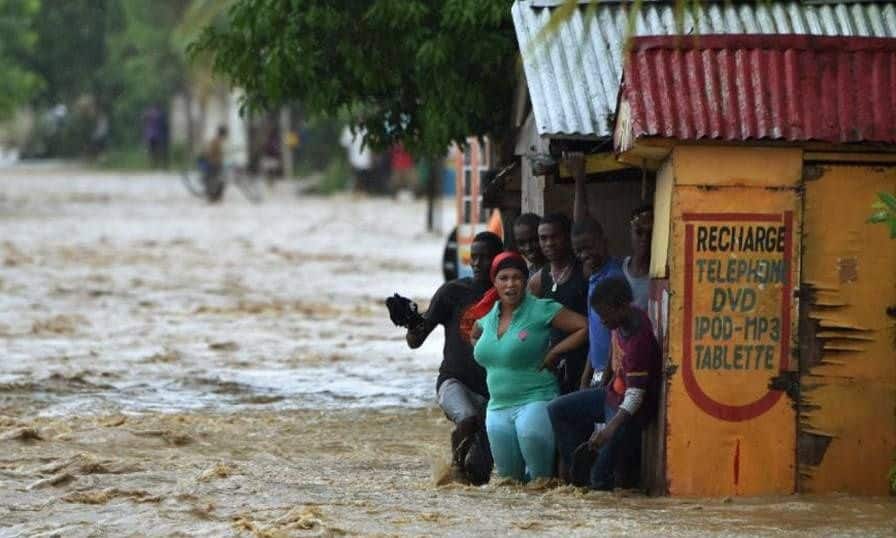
[[470, 162]]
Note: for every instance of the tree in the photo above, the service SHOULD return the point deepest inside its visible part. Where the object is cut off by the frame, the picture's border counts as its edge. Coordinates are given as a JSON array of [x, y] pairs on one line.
[[70, 61], [102, 59], [425, 73], [144, 65], [17, 40]]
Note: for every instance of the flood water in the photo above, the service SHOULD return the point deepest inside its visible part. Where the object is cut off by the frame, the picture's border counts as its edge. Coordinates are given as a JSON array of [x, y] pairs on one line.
[[169, 368]]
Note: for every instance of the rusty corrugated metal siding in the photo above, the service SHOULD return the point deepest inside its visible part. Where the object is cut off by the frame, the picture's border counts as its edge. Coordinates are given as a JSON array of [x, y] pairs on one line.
[[573, 74], [792, 88]]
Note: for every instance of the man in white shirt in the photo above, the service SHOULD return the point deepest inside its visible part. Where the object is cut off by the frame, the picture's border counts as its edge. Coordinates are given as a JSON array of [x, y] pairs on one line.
[[359, 156], [637, 266]]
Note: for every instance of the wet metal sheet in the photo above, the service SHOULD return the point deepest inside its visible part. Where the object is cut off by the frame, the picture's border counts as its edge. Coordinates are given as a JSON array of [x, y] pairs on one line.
[[740, 88], [573, 75]]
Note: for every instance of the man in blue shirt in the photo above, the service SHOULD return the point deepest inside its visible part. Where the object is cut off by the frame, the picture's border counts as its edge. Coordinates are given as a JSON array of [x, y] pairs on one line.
[[590, 246], [573, 415]]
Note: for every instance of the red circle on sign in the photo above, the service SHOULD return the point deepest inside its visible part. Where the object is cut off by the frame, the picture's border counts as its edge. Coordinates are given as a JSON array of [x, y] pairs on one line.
[[732, 413]]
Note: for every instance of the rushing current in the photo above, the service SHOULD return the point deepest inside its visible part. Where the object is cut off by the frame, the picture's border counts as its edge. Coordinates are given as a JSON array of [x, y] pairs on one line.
[[170, 368]]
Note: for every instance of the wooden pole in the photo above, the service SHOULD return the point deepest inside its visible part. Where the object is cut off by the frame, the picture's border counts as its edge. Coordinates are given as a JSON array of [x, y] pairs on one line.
[[433, 169]]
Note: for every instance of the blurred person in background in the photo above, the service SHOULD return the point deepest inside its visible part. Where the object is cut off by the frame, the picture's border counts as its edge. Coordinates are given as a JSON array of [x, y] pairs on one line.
[[155, 135], [211, 164], [359, 157], [404, 175]]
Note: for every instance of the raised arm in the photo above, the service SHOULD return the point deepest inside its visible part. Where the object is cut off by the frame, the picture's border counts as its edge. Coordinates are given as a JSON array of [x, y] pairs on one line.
[[587, 375], [417, 334], [575, 161], [438, 312]]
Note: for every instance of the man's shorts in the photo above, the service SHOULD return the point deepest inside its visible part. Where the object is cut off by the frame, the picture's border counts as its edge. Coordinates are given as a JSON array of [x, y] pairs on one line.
[[459, 402]]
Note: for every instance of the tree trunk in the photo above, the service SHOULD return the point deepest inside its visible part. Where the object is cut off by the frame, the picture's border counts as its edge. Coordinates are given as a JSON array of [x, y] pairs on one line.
[[434, 167], [191, 122]]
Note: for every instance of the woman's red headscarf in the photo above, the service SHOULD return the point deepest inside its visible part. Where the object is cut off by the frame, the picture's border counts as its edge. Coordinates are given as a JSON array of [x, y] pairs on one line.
[[480, 309]]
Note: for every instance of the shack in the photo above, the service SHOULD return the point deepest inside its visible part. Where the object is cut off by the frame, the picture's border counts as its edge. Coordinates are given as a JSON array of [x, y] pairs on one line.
[[769, 151], [572, 74]]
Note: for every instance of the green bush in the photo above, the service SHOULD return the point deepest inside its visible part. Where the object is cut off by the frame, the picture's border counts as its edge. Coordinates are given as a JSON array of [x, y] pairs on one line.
[[133, 158], [318, 146], [337, 177]]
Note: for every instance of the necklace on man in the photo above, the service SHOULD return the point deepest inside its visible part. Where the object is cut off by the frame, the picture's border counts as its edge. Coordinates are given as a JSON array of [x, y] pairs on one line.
[[561, 277]]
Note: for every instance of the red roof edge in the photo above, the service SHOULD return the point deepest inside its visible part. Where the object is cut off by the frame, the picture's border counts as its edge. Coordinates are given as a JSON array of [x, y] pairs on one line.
[[792, 88], [764, 41]]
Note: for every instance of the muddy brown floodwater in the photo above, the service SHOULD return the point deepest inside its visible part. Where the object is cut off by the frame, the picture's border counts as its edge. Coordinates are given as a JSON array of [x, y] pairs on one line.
[[173, 369]]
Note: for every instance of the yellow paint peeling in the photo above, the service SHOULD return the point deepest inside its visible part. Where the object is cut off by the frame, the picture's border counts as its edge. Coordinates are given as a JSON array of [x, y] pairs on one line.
[[851, 388], [844, 335]]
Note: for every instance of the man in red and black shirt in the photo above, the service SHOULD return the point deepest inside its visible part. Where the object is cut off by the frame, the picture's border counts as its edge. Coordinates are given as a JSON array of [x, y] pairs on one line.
[[630, 392]]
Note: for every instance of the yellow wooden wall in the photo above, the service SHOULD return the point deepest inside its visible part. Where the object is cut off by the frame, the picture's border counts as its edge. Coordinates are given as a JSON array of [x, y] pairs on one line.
[[726, 432], [847, 436]]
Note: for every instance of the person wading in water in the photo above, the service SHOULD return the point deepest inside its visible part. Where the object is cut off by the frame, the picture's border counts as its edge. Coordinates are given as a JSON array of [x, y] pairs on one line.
[[626, 400], [461, 388], [512, 345], [563, 280]]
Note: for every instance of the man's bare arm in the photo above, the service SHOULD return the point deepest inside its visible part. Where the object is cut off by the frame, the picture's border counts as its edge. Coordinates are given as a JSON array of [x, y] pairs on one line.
[[418, 333], [587, 375], [575, 161]]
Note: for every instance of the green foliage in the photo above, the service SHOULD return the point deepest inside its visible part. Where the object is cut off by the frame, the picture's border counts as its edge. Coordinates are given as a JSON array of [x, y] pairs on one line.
[[124, 159], [317, 145], [109, 58], [17, 40], [885, 212], [426, 73], [71, 47], [143, 66], [335, 177]]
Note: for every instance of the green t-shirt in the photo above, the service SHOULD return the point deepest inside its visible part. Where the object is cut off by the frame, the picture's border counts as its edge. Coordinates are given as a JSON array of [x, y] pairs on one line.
[[511, 362]]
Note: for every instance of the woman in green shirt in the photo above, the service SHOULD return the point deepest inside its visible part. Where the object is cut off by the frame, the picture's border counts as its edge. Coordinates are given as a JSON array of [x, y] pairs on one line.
[[512, 344]]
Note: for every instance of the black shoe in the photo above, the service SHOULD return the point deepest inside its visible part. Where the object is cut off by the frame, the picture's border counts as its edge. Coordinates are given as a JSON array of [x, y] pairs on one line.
[[478, 462], [462, 438]]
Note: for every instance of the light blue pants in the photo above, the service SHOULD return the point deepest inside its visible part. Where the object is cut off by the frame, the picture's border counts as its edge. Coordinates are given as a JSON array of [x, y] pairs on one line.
[[521, 438]]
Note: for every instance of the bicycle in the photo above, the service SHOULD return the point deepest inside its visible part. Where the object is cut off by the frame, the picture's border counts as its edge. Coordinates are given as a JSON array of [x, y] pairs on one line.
[[201, 184]]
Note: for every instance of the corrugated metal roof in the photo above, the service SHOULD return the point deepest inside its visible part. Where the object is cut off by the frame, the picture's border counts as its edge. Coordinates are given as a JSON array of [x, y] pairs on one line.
[[754, 87], [573, 75]]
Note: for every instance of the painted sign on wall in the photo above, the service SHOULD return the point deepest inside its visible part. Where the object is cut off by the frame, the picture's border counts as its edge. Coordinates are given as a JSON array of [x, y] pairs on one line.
[[737, 309], [733, 258]]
